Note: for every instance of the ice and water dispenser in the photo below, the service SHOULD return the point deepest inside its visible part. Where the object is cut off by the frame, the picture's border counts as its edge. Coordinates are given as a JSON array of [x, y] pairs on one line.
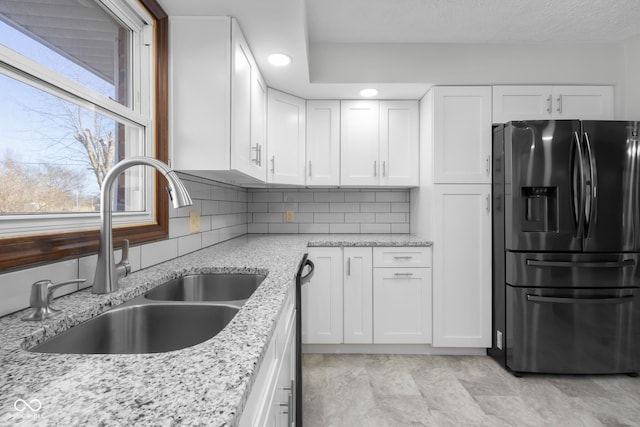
[[539, 209]]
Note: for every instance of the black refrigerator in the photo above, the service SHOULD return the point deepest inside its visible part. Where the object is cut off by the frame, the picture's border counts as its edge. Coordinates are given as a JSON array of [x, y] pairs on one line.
[[566, 247]]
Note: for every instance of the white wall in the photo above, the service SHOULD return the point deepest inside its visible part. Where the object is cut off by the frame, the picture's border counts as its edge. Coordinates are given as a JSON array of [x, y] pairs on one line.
[[471, 64], [632, 79]]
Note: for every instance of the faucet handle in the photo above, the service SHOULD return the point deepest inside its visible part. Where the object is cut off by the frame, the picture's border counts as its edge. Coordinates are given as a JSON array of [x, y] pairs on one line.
[[124, 266], [41, 296]]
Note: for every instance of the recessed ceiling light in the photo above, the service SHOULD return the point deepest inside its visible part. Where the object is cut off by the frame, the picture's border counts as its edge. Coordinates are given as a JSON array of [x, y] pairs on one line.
[[279, 59], [368, 92]]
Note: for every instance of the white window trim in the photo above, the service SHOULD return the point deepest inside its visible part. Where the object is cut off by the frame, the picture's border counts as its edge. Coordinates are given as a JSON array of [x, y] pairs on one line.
[[30, 72]]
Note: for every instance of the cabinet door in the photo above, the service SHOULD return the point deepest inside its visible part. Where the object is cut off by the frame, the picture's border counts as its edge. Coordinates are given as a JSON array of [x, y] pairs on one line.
[[241, 84], [583, 102], [522, 103], [322, 298], [399, 143], [359, 141], [282, 411], [323, 143], [402, 305], [258, 156], [285, 138], [358, 295], [462, 266], [462, 135]]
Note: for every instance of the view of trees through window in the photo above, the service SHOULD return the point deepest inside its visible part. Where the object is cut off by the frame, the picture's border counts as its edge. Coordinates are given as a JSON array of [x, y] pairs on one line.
[[54, 152]]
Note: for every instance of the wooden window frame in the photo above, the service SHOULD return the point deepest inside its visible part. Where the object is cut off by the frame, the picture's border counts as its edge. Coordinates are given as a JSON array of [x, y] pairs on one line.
[[19, 252]]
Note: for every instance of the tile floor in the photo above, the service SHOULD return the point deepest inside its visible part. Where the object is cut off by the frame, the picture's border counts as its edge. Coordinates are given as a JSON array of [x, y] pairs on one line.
[[393, 390]]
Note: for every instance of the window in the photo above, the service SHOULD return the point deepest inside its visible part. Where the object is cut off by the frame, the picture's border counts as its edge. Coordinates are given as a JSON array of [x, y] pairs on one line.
[[80, 82]]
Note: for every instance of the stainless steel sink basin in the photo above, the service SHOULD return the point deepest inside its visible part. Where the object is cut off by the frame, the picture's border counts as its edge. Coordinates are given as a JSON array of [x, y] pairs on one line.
[[230, 288], [142, 328]]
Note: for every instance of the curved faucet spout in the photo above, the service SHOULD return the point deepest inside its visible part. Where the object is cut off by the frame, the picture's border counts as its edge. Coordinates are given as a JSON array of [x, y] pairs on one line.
[[107, 272]]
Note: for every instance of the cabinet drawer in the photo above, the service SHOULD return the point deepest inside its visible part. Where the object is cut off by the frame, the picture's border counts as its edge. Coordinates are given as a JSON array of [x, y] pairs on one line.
[[402, 257]]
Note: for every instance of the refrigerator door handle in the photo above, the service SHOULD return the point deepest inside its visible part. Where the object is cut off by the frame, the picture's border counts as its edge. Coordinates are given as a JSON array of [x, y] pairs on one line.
[[566, 300], [582, 202], [593, 264], [593, 177]]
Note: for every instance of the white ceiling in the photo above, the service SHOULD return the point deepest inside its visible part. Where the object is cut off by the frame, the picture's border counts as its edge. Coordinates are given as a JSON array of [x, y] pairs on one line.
[[308, 29]]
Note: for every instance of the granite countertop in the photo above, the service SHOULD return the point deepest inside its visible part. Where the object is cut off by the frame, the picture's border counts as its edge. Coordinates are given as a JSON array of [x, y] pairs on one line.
[[208, 383]]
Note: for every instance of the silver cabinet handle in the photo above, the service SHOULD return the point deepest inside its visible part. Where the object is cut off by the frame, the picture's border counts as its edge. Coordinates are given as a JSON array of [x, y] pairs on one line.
[[273, 164], [549, 104], [257, 150], [375, 168], [309, 168], [488, 165], [384, 168], [559, 109], [349, 266], [403, 274], [402, 257], [488, 203]]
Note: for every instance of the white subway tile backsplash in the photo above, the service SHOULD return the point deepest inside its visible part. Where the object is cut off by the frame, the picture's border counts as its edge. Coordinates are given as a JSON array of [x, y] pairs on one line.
[[392, 196], [328, 197], [298, 197], [313, 228], [267, 197], [375, 207], [391, 217], [179, 227], [344, 228], [210, 207], [258, 228], [400, 207], [375, 228], [364, 196], [361, 217], [210, 238], [283, 228], [157, 252], [400, 228], [283, 207], [303, 217], [344, 207], [189, 244], [328, 218], [268, 217], [257, 207], [313, 207]]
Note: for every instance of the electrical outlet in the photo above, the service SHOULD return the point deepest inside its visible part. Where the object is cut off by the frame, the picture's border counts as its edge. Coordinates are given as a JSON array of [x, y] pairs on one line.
[[194, 222], [499, 340], [289, 216]]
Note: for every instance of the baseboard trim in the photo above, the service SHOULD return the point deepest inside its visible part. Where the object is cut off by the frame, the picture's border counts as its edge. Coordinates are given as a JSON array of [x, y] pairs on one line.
[[422, 349]]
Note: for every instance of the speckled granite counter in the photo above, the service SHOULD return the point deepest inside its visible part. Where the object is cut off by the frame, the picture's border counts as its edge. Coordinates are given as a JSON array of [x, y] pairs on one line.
[[207, 384]]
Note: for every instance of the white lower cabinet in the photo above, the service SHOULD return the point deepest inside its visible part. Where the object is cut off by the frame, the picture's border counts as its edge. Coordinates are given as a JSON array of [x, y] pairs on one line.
[[364, 295], [322, 298], [402, 305], [358, 296], [272, 399], [462, 266]]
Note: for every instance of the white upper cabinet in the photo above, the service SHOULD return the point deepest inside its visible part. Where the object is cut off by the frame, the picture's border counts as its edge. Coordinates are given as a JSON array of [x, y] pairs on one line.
[[359, 142], [213, 113], [248, 114], [461, 134], [285, 138], [379, 143], [323, 143], [552, 102], [399, 143]]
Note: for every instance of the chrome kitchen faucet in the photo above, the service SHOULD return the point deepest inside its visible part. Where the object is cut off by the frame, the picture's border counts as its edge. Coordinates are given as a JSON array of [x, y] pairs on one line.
[[107, 271]]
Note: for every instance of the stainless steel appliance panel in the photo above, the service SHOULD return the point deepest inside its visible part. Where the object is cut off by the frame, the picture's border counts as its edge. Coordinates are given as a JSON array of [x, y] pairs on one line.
[[612, 161], [573, 331], [572, 270], [542, 186]]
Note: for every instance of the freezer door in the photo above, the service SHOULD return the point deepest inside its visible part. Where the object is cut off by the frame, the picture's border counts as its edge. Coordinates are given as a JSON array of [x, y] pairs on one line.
[[573, 270], [612, 154], [573, 331], [543, 186]]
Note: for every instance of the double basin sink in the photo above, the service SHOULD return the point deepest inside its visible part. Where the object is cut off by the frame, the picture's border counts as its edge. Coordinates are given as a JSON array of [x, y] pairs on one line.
[[177, 314]]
